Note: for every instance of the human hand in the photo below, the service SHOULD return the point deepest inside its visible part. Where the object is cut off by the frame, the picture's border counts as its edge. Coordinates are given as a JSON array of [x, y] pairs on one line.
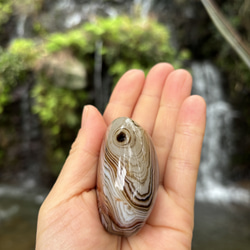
[[162, 105]]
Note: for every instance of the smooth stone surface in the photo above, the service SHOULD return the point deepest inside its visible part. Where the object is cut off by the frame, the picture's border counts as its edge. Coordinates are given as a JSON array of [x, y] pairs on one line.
[[127, 177]]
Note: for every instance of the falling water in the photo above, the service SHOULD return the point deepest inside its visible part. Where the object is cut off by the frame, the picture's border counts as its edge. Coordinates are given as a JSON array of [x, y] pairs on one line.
[[73, 12], [218, 141], [20, 29], [30, 140], [145, 6], [98, 76]]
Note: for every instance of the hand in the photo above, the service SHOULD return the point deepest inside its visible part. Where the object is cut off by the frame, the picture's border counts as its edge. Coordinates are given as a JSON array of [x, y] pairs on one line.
[[162, 105]]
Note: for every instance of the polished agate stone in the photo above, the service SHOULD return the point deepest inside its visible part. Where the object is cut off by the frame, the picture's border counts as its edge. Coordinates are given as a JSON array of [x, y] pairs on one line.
[[127, 177]]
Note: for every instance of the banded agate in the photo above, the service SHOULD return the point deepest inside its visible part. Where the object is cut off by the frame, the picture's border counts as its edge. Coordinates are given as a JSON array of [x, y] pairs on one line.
[[127, 177]]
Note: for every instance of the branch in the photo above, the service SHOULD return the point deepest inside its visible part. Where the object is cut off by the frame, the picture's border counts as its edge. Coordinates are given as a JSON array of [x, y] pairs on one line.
[[227, 31]]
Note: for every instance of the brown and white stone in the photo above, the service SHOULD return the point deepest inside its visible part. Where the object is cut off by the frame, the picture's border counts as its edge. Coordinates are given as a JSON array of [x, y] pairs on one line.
[[127, 177]]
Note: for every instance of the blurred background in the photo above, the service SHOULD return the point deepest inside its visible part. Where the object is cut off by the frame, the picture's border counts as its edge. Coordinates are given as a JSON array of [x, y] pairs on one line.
[[56, 56]]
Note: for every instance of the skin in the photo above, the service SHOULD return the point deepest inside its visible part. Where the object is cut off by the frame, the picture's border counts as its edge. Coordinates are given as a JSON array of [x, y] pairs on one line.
[[162, 105]]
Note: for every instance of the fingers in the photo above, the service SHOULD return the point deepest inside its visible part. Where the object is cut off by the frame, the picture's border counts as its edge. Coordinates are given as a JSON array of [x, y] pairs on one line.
[[173, 209], [184, 158], [125, 95], [79, 171], [154, 104], [147, 106], [177, 87]]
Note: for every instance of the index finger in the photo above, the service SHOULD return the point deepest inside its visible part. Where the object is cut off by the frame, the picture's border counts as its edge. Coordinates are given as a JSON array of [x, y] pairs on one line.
[[125, 95]]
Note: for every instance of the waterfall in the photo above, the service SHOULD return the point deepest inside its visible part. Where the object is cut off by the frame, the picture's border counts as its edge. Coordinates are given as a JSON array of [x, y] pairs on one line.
[[30, 140], [144, 6], [20, 29], [98, 85], [218, 141], [102, 79]]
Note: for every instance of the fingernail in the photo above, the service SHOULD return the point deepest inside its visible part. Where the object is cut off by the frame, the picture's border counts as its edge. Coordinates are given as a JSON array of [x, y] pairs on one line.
[[131, 72], [84, 115]]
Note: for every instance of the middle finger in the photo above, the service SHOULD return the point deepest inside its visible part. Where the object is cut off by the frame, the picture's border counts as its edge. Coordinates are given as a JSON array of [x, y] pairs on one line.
[[147, 105], [176, 89]]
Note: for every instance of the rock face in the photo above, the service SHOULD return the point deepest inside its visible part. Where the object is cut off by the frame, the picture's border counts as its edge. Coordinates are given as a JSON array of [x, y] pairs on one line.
[[63, 70]]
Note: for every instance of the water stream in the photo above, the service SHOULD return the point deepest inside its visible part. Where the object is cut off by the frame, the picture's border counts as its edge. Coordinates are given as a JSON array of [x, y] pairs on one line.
[[145, 7], [20, 30], [222, 208], [18, 216], [218, 144]]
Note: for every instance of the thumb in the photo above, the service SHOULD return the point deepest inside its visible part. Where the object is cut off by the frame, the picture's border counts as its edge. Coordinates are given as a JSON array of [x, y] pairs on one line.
[[79, 171]]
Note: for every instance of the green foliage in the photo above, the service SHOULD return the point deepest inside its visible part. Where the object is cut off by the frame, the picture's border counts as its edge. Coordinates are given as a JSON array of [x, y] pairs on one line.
[[27, 6], [55, 106], [38, 29], [11, 7], [125, 43], [11, 72], [27, 50], [75, 39], [59, 112], [14, 63], [129, 43], [6, 8]]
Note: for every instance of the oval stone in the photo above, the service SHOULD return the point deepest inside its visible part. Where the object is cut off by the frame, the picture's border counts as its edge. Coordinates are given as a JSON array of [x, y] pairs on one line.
[[127, 177]]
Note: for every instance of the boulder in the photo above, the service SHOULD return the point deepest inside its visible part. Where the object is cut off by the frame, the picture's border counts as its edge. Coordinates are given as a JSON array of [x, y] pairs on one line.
[[63, 70]]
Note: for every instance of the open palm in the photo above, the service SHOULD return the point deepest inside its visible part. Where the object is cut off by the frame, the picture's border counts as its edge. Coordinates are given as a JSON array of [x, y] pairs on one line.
[[162, 105]]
